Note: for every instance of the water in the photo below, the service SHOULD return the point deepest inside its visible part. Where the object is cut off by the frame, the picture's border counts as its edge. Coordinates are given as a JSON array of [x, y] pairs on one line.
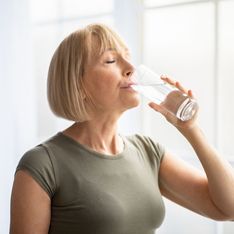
[[170, 98], [154, 92]]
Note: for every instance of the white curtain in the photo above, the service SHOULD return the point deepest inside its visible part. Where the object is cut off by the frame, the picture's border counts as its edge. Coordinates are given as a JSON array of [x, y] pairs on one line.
[[17, 96]]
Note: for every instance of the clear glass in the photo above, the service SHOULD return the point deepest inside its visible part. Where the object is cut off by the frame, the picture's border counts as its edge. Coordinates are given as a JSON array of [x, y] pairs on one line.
[[154, 88]]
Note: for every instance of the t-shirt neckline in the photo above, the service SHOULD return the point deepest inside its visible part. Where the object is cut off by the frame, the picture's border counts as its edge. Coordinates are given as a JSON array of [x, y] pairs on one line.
[[93, 152]]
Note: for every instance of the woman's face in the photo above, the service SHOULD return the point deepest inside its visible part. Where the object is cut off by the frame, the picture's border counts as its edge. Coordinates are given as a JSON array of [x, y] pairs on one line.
[[108, 80]]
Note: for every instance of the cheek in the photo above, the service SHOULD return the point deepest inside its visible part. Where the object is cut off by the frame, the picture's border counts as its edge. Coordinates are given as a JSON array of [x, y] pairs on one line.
[[106, 83], [103, 92], [102, 82]]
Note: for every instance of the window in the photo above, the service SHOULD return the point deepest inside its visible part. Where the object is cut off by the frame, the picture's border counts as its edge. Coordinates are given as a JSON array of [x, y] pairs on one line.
[[154, 3], [225, 78], [181, 45]]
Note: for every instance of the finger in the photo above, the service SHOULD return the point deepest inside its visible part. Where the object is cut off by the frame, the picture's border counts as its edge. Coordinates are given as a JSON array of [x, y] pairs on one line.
[[168, 80], [159, 108], [156, 107], [181, 88], [174, 83], [190, 94]]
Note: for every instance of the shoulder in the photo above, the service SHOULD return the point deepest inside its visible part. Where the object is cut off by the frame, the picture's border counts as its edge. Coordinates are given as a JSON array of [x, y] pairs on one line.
[[146, 142], [139, 139], [35, 156], [40, 155], [38, 164], [147, 145]]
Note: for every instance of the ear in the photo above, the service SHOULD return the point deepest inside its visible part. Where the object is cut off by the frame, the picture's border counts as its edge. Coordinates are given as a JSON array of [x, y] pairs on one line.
[[82, 95]]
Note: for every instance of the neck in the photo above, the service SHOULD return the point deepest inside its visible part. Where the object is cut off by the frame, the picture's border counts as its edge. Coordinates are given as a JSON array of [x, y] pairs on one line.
[[99, 134]]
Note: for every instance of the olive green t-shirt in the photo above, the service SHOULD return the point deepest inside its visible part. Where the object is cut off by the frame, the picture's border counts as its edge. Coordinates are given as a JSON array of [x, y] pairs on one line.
[[94, 193]]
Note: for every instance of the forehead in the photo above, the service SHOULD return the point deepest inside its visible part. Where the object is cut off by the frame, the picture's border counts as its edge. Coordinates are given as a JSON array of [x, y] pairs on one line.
[[119, 51], [101, 43]]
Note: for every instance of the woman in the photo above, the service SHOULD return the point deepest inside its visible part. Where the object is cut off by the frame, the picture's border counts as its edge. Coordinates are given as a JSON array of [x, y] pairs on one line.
[[89, 179]]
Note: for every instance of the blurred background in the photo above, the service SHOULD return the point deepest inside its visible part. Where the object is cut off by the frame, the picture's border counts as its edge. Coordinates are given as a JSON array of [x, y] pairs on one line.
[[192, 41]]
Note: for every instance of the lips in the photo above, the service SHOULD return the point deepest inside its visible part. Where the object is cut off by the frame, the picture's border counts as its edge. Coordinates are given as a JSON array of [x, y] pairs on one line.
[[127, 85]]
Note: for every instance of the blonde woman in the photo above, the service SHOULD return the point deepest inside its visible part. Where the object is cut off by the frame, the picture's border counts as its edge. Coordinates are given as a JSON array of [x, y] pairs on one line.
[[89, 179]]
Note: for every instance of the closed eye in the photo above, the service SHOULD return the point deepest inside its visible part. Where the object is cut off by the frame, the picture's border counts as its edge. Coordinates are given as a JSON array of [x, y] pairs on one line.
[[110, 61]]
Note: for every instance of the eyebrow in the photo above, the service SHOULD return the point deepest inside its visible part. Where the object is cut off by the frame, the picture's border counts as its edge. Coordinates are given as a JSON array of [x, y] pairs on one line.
[[126, 50]]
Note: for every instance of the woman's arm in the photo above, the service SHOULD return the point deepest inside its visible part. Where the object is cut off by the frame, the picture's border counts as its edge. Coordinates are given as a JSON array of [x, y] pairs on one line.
[[30, 206], [220, 174], [187, 186], [211, 194]]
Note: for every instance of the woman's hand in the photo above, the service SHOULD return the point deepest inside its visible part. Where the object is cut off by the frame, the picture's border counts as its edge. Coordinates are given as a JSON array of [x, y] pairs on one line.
[[167, 114]]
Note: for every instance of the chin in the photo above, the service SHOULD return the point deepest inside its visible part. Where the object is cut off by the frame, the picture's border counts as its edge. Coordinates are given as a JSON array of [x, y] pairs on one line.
[[134, 102]]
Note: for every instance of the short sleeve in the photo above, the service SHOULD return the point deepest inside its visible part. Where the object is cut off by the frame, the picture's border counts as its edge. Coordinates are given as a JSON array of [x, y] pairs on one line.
[[39, 165], [149, 148], [157, 149]]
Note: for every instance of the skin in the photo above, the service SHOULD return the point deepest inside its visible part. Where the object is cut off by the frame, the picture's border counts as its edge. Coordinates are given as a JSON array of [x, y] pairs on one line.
[[209, 194]]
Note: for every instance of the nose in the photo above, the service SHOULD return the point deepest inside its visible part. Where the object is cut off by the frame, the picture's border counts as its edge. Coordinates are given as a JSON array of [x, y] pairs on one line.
[[129, 69]]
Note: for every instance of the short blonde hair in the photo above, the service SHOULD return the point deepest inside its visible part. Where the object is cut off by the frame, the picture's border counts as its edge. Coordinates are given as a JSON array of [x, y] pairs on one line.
[[66, 91]]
